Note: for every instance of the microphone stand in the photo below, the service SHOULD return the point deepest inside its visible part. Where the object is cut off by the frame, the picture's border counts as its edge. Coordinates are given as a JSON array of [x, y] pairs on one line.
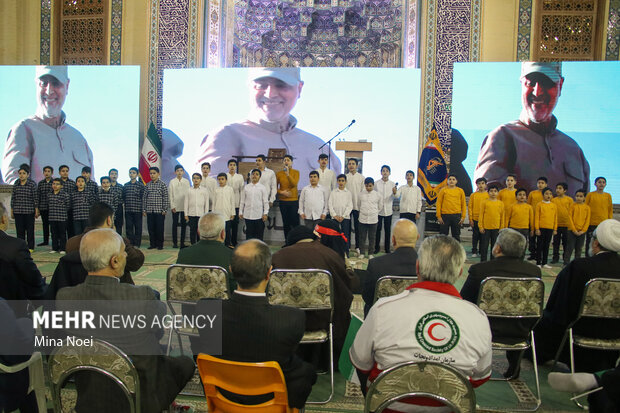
[[329, 144]]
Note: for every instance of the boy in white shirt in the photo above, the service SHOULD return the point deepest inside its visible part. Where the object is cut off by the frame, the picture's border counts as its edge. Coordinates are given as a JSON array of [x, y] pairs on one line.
[[327, 177], [224, 203], [177, 190], [340, 207], [196, 205], [355, 185], [254, 206], [207, 182], [235, 180], [267, 178], [369, 203], [312, 202], [385, 189], [410, 197]]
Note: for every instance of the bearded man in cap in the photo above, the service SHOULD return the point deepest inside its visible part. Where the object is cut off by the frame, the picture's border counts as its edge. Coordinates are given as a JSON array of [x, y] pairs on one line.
[[532, 146], [565, 300], [46, 138], [273, 95]]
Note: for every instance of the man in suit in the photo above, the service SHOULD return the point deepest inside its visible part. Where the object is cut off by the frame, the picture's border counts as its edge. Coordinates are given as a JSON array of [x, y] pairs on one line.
[[21, 278], [210, 250], [103, 255], [255, 331], [400, 262], [508, 251], [565, 299]]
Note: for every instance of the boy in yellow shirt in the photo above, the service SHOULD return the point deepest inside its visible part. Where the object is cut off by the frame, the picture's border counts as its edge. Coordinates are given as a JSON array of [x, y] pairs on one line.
[[546, 225], [520, 216], [579, 221], [475, 199], [491, 221], [533, 199], [508, 195], [451, 209], [601, 207], [563, 202]]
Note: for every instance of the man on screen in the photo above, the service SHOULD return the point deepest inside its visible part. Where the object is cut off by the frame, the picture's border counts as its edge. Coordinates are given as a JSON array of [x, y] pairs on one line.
[[45, 138], [532, 146], [273, 95]]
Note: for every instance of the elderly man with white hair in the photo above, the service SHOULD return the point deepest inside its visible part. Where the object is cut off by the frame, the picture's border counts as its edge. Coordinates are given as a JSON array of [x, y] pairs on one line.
[[428, 321], [46, 138], [161, 377], [566, 296]]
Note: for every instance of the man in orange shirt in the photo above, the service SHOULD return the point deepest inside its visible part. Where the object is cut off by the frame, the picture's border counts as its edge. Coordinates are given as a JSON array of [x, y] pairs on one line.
[[451, 208], [287, 180], [491, 221], [475, 199], [579, 217], [601, 207], [533, 199], [563, 202], [508, 195]]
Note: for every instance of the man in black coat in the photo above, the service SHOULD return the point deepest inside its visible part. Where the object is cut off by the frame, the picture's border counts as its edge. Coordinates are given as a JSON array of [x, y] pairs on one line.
[[255, 331], [21, 278], [400, 262], [103, 255], [508, 251], [565, 300]]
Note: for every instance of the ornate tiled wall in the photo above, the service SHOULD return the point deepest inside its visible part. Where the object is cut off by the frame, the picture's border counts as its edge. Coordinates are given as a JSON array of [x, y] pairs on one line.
[[613, 31], [452, 35], [524, 30], [46, 25]]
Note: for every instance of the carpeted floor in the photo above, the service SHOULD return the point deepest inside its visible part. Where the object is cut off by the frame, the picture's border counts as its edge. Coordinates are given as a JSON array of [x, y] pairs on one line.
[[493, 395]]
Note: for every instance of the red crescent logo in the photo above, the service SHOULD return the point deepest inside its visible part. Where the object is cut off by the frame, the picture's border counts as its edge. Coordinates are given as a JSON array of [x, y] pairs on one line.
[[430, 331]]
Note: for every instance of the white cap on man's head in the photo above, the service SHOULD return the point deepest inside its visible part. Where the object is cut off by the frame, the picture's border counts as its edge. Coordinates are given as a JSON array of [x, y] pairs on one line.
[[289, 75], [608, 234], [59, 72], [553, 70]]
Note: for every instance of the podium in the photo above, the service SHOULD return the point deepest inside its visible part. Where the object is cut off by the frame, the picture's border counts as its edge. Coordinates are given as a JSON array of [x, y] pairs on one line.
[[354, 150]]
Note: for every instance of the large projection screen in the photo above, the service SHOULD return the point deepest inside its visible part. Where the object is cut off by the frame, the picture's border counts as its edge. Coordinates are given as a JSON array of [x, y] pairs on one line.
[[488, 95], [102, 103], [383, 102]]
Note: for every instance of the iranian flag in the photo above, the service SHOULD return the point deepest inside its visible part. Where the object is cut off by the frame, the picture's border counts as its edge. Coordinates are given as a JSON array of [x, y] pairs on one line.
[[150, 154]]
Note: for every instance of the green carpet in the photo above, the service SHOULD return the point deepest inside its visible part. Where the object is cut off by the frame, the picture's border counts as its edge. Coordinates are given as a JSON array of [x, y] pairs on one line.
[[347, 397]]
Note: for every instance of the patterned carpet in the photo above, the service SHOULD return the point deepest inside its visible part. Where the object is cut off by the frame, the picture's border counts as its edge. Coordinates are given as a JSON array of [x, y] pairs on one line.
[[490, 397]]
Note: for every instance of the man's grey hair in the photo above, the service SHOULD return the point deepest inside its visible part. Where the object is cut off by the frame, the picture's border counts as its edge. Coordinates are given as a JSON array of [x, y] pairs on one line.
[[250, 263], [96, 256], [441, 259], [211, 226], [511, 242]]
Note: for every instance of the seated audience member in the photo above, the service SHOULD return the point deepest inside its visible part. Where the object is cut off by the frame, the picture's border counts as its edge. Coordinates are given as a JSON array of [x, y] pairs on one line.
[[565, 299], [255, 331], [21, 279], [448, 327], [400, 262], [69, 271], [605, 400], [161, 377], [329, 234], [303, 251], [210, 250], [508, 251], [16, 346]]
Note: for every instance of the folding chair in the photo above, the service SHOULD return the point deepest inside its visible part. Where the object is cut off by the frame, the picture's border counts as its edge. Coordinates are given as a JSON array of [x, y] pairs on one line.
[[37, 378], [429, 380], [600, 300], [186, 284], [309, 290], [102, 358], [519, 300], [249, 379], [392, 284]]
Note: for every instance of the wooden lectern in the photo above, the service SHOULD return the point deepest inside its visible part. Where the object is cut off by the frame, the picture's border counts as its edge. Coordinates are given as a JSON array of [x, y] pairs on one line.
[[354, 150]]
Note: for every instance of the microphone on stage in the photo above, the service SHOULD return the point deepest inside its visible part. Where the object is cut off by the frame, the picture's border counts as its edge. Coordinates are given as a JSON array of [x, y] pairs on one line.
[[352, 122]]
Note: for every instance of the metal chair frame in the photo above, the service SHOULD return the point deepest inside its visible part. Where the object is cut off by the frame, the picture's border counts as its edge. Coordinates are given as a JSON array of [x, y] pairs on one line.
[[525, 345], [36, 376], [330, 336], [569, 330], [171, 300], [57, 384], [384, 278], [410, 364]]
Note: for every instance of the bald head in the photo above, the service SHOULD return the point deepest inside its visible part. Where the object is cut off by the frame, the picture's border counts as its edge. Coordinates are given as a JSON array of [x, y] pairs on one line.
[[102, 252], [251, 263], [405, 234]]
